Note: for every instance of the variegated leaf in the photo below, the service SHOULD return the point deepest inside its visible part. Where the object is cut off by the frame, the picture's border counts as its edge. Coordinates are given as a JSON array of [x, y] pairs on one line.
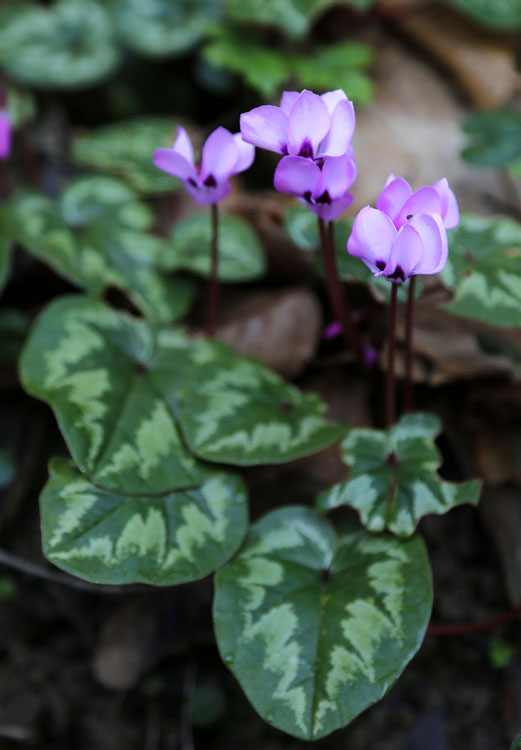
[[162, 540], [317, 627], [96, 236], [125, 150], [113, 383], [393, 481], [484, 269], [241, 257], [237, 411]]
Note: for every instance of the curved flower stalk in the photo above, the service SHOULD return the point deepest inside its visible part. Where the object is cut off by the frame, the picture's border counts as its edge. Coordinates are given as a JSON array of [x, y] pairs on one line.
[[405, 235], [224, 154], [305, 124], [324, 190]]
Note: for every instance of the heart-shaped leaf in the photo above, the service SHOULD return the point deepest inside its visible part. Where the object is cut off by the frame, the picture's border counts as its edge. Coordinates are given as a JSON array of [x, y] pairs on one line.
[[112, 382], [96, 236], [484, 270], [393, 481], [494, 138], [237, 411], [162, 540], [125, 150], [317, 627], [499, 14], [162, 28], [68, 45], [241, 257]]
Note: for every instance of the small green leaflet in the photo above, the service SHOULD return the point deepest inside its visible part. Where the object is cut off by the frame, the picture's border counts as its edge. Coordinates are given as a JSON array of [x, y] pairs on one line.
[[125, 150], [68, 45], [393, 481], [112, 382], [317, 627], [237, 411], [484, 270], [162, 540], [241, 257], [97, 236], [293, 17], [266, 69], [162, 28], [503, 15], [5, 259], [494, 138]]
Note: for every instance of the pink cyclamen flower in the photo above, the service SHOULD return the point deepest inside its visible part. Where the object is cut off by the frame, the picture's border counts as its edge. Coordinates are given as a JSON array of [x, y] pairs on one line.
[[305, 125], [5, 134], [224, 154], [406, 234], [324, 190]]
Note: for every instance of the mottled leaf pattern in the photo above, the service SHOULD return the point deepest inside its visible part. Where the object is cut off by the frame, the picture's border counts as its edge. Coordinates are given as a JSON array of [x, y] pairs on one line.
[[317, 627], [125, 149], [67, 45], [113, 383], [393, 480], [97, 236], [237, 411], [162, 540], [240, 254], [484, 270]]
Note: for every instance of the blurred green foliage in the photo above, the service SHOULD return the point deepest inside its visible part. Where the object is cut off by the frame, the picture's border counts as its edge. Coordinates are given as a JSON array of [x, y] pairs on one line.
[[494, 138]]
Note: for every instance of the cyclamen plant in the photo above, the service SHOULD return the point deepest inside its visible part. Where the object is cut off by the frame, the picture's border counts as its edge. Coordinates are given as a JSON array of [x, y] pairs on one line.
[[316, 621]]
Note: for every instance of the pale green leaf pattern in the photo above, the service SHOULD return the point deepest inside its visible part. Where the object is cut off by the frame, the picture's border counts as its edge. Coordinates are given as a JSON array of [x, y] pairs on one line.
[[161, 539], [317, 627], [393, 480]]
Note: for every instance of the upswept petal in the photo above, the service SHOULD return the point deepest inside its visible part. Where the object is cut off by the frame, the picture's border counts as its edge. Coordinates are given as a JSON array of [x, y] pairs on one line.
[[450, 210], [372, 237], [331, 211], [287, 100], [426, 200], [308, 124], [340, 134], [435, 246], [406, 253], [174, 163], [220, 155], [204, 196], [246, 154], [296, 175], [331, 99], [395, 194], [266, 127], [336, 177], [183, 145]]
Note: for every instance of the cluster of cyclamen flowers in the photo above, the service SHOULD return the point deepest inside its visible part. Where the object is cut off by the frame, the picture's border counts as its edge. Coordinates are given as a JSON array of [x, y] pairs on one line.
[[404, 235]]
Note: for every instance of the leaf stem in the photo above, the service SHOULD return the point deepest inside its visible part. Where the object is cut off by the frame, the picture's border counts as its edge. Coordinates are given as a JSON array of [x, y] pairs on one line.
[[473, 627], [408, 403], [213, 285], [337, 294], [389, 379]]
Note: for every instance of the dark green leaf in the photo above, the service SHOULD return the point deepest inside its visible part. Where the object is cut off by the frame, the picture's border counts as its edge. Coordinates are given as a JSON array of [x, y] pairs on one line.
[[503, 15], [68, 45], [494, 138], [96, 236], [241, 257], [317, 627], [393, 481], [484, 270], [126, 150], [162, 540]]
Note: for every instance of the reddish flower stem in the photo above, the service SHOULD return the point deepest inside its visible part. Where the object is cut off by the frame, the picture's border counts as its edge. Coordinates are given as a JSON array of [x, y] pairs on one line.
[[337, 294], [5, 183], [408, 402], [473, 627], [389, 378], [213, 284]]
